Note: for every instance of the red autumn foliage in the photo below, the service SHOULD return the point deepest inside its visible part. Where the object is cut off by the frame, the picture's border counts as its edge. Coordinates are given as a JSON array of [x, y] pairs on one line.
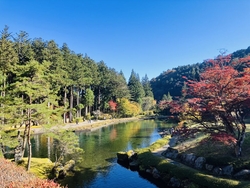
[[13, 176], [112, 105], [220, 90], [224, 138], [220, 99]]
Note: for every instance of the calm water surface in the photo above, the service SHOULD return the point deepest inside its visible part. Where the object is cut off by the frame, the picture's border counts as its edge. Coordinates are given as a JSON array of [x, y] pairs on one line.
[[100, 168]]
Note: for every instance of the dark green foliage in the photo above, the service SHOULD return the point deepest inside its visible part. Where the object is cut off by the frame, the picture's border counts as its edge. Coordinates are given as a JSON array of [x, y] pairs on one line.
[[147, 87], [172, 80], [135, 87]]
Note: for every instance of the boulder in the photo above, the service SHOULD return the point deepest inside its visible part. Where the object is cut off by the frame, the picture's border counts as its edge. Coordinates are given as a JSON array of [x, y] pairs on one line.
[[170, 153], [245, 173], [122, 156], [217, 171], [189, 158], [199, 163], [155, 173], [209, 167], [227, 170], [173, 141], [134, 165], [174, 182]]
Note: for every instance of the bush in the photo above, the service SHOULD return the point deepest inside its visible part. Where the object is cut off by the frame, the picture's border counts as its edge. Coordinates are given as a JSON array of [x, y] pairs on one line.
[[14, 176]]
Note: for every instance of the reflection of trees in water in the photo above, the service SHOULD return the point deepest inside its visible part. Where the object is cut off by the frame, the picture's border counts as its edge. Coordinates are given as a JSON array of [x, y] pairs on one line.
[[100, 148]]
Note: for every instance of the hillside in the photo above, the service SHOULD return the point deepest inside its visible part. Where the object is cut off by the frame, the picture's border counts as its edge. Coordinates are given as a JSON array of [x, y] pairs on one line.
[[172, 80]]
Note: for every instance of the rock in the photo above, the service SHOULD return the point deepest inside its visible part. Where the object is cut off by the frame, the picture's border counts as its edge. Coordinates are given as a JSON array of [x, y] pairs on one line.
[[134, 165], [170, 153], [155, 173], [173, 141], [174, 182], [227, 170], [122, 156], [199, 162], [189, 158], [242, 174], [209, 167], [217, 171], [133, 157]]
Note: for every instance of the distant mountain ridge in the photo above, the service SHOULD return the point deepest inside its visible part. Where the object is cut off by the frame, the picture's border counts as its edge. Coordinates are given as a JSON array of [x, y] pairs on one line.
[[172, 80]]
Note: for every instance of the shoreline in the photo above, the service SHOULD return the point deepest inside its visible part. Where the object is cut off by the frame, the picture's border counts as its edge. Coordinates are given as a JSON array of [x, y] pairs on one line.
[[86, 125]]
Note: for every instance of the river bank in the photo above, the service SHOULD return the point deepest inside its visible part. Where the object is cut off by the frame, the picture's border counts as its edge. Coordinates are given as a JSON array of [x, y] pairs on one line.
[[175, 173], [85, 125]]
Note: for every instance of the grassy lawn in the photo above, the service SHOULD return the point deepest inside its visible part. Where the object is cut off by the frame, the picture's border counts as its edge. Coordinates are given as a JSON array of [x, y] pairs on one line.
[[217, 153]]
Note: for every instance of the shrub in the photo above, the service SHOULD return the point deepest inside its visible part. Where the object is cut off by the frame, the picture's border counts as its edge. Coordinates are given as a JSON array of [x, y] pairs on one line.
[[13, 176]]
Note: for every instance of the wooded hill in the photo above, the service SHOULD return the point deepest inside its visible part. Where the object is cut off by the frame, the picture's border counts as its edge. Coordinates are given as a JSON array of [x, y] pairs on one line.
[[172, 82], [38, 74]]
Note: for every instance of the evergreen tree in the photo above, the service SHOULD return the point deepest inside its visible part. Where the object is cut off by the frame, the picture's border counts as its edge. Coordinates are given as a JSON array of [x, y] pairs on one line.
[[147, 87], [117, 87], [89, 99], [104, 77], [8, 60], [31, 91], [38, 47], [23, 48], [135, 87]]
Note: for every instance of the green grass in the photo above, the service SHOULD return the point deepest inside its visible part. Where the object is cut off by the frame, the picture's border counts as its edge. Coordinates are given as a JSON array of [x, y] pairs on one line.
[[41, 167], [170, 168]]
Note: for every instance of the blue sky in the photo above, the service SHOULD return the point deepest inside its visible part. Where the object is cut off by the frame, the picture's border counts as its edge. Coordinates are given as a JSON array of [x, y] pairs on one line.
[[149, 36]]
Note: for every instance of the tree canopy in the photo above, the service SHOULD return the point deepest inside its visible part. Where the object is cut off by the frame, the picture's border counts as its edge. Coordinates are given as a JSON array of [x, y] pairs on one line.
[[44, 84], [220, 100]]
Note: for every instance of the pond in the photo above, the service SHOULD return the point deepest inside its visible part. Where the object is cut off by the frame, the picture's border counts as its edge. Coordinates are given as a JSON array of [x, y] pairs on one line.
[[100, 167]]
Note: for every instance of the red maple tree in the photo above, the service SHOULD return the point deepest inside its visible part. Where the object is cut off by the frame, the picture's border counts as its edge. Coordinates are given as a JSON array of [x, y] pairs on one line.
[[112, 105], [220, 99]]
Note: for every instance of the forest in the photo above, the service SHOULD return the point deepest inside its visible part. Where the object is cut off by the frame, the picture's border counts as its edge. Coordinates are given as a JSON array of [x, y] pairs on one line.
[[44, 84], [43, 75], [171, 82]]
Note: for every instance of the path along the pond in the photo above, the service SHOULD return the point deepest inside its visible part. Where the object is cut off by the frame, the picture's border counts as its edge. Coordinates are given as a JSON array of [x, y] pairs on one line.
[[85, 125]]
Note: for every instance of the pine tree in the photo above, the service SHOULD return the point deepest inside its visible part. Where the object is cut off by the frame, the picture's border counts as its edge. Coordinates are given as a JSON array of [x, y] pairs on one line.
[[147, 87], [22, 46], [8, 60], [135, 87], [31, 91]]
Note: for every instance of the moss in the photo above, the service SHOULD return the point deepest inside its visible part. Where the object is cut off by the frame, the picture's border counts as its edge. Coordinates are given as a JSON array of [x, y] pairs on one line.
[[169, 167], [41, 167], [159, 143]]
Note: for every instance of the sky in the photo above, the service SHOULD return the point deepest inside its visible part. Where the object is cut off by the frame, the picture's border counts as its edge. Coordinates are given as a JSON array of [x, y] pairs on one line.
[[147, 36]]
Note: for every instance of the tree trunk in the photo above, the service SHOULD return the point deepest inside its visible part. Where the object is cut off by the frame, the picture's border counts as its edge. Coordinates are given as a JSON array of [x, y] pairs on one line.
[[64, 102], [86, 110], [99, 98], [29, 149], [71, 104], [3, 95], [80, 109], [28, 139], [240, 140], [77, 102], [25, 133]]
